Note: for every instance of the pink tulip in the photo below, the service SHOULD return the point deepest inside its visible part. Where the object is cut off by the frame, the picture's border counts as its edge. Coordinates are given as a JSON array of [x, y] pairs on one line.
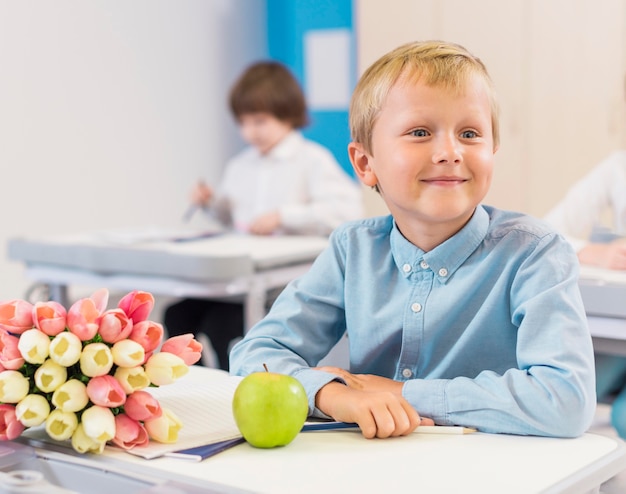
[[100, 299], [137, 305], [16, 316], [115, 326], [49, 317], [83, 319], [148, 334], [106, 391], [141, 405], [129, 432], [147, 356], [10, 356], [10, 426], [185, 346]]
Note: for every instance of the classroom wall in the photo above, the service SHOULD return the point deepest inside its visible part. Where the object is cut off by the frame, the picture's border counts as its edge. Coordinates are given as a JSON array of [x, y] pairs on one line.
[[559, 68], [111, 109]]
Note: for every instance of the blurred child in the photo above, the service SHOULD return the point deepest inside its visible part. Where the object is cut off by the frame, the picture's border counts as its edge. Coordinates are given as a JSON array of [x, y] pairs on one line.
[[601, 191], [456, 312], [577, 215], [281, 184]]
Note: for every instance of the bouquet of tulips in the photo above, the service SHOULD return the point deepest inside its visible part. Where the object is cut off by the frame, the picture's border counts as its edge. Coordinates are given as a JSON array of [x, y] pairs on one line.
[[83, 373]]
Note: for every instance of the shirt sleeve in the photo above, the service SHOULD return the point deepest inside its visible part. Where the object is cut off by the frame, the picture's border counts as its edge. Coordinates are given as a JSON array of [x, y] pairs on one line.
[[585, 203], [305, 322], [552, 391]]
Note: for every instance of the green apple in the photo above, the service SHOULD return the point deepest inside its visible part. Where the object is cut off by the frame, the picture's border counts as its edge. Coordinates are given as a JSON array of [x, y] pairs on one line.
[[269, 408]]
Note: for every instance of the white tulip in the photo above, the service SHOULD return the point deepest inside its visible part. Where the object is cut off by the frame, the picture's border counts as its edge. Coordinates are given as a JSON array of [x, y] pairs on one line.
[[96, 360], [164, 429], [99, 423], [49, 376], [65, 349], [34, 346], [82, 443], [71, 396], [165, 368], [13, 386], [61, 425], [128, 353], [32, 411], [132, 378]]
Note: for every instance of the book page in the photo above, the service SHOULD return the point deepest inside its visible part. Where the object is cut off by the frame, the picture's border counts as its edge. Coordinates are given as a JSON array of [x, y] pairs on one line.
[[203, 402]]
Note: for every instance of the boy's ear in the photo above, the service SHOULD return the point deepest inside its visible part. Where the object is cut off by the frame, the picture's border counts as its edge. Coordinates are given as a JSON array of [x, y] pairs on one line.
[[360, 160]]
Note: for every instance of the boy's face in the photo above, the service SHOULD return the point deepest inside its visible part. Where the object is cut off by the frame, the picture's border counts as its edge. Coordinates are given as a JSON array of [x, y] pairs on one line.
[[263, 130], [432, 157]]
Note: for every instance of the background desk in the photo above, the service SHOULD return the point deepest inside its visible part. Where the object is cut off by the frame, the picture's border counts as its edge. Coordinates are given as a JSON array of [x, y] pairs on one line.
[[215, 267], [604, 296], [245, 266]]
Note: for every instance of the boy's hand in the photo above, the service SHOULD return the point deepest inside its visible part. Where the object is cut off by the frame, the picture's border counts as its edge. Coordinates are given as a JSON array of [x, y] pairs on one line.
[[378, 414], [201, 194], [608, 256], [265, 224]]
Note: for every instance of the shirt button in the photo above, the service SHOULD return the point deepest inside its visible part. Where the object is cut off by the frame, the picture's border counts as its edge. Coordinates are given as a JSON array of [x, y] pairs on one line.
[[424, 265], [416, 307], [407, 373], [443, 272], [407, 268]]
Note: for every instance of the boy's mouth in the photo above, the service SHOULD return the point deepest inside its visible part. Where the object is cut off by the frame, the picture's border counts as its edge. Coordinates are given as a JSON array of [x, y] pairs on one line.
[[444, 181]]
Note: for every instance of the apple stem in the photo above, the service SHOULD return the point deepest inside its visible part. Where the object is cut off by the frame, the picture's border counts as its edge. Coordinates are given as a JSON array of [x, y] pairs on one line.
[[265, 367]]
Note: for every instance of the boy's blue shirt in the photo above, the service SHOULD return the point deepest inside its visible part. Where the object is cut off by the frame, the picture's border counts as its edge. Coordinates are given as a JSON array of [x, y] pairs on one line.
[[487, 330]]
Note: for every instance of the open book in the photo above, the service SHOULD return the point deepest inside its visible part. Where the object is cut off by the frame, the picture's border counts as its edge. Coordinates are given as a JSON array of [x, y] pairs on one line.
[[202, 400]]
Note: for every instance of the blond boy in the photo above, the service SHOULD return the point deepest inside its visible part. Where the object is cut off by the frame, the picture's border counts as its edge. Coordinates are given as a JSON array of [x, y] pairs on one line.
[[457, 313]]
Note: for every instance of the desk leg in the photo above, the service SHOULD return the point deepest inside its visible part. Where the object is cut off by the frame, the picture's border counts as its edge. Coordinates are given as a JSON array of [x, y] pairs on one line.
[[58, 293], [254, 309]]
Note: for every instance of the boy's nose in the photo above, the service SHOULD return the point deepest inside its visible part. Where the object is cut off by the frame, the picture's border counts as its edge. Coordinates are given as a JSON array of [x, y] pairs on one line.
[[446, 151]]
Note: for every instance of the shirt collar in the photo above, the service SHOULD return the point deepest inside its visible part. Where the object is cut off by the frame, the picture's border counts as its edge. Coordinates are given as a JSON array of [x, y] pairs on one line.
[[446, 258], [287, 147]]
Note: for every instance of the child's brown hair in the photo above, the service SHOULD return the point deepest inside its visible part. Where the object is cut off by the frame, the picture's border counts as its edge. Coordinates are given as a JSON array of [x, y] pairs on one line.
[[269, 87]]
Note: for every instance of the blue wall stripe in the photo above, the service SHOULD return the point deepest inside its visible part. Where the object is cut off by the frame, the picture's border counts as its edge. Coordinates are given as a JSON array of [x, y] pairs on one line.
[[287, 23]]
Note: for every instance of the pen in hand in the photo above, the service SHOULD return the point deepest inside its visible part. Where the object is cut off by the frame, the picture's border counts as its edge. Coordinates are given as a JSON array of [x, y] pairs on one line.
[[200, 196]]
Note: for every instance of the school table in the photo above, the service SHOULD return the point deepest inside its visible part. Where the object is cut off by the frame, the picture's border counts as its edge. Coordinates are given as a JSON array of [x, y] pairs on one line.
[[227, 265], [604, 297], [343, 461], [203, 265]]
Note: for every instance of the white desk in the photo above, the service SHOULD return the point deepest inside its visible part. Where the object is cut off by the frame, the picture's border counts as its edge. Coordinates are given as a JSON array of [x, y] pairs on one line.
[[215, 267], [345, 462], [604, 296]]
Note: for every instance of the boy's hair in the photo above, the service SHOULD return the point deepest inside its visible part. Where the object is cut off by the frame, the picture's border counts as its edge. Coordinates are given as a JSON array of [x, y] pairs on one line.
[[269, 87], [436, 63]]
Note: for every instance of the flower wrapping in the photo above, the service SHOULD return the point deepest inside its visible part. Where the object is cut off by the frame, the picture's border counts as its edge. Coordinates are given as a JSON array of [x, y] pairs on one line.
[[83, 373]]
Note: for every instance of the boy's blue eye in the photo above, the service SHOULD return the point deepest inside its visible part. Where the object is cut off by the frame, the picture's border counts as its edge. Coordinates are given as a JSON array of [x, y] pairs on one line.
[[469, 134], [419, 133]]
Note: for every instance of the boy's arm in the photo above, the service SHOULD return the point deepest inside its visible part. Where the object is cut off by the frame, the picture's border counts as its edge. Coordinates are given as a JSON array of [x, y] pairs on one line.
[[608, 256], [551, 391]]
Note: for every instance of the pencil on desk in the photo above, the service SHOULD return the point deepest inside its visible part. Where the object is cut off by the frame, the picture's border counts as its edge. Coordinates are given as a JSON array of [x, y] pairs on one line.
[[443, 429], [422, 429]]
